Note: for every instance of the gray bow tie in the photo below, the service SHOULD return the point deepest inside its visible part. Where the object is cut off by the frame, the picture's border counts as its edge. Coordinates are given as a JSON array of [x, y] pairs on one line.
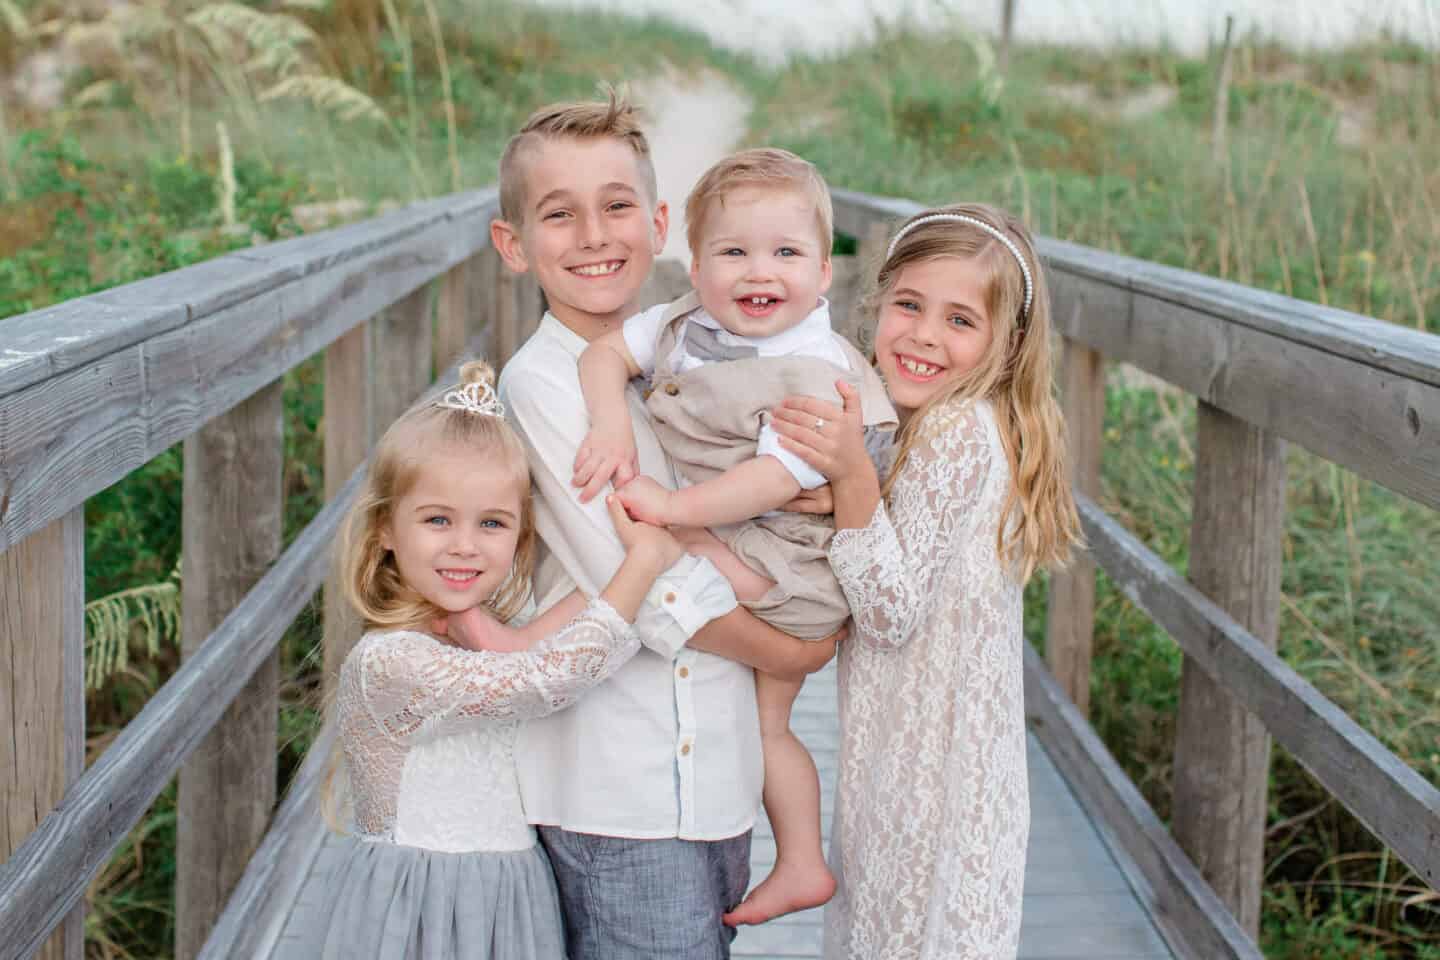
[[704, 344]]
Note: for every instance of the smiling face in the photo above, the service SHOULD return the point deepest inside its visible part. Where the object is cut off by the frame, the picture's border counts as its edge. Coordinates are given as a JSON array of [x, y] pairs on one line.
[[454, 532], [590, 230], [759, 267], [933, 329]]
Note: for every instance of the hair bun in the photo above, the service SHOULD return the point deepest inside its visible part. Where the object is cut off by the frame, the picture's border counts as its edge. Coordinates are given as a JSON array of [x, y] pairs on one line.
[[477, 371]]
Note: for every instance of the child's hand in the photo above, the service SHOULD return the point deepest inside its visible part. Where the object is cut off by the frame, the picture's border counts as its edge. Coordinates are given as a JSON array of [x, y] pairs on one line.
[[819, 501], [830, 440], [646, 501], [607, 453], [477, 629], [652, 542]]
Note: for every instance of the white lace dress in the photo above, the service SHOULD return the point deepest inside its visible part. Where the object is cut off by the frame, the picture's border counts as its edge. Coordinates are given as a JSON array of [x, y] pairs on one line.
[[932, 810], [441, 863]]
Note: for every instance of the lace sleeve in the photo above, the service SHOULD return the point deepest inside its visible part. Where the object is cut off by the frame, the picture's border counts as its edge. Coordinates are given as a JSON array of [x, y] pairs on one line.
[[412, 683], [889, 574]]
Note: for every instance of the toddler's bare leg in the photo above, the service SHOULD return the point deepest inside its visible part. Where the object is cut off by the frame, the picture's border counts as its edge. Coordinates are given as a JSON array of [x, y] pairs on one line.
[[800, 879]]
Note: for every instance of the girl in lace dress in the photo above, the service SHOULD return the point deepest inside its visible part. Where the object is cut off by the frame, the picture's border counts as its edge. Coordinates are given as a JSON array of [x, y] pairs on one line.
[[439, 862], [932, 810]]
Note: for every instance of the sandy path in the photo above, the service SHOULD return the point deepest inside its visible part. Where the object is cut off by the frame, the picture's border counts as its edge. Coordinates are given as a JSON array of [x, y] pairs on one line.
[[694, 121]]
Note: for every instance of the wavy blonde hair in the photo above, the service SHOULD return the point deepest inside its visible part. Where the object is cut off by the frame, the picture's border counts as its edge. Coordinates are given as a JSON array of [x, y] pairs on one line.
[[368, 572], [1015, 375]]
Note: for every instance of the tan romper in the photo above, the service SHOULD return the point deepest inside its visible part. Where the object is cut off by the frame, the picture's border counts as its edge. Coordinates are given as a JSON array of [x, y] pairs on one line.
[[709, 420]]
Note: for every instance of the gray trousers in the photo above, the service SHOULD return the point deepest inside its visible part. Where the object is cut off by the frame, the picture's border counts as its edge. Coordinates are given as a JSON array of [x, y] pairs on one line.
[[625, 899]]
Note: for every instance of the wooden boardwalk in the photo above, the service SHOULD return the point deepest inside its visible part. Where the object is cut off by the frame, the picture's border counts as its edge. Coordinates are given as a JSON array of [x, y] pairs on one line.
[[1078, 903]]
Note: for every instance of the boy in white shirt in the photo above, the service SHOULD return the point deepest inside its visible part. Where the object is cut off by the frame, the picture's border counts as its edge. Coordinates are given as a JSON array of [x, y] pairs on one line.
[[646, 790], [755, 331]]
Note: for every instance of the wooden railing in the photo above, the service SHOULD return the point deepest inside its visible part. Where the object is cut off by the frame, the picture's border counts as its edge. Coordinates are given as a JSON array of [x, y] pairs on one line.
[[95, 387], [1265, 369]]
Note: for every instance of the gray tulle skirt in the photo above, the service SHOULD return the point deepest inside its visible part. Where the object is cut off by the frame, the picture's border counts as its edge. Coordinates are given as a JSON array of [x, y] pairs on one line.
[[391, 902]]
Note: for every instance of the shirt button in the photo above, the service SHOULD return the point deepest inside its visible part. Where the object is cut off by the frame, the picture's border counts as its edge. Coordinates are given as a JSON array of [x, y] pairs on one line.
[[670, 597], [672, 389], [684, 672], [685, 750]]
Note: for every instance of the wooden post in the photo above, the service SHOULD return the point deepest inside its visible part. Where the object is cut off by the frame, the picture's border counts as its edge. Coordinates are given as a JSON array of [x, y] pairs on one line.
[[1070, 609], [1221, 118], [506, 314], [42, 629], [1007, 31], [1222, 753], [232, 525], [400, 357], [461, 310], [347, 438]]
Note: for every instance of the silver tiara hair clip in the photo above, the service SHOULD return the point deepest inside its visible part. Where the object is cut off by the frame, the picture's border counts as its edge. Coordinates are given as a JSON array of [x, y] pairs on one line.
[[474, 398], [962, 218]]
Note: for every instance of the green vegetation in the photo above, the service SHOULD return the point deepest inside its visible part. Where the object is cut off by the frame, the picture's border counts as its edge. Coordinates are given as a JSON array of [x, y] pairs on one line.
[[1328, 192]]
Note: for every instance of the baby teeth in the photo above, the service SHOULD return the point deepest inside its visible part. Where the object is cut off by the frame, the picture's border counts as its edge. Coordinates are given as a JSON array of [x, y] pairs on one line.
[[598, 269], [920, 369], [760, 301]]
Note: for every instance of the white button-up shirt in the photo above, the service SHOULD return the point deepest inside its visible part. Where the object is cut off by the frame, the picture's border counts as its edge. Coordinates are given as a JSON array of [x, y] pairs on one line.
[[670, 745]]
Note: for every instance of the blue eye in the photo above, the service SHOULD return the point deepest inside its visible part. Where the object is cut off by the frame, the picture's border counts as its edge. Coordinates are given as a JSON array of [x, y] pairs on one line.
[[960, 320], [907, 305], [437, 521], [788, 252], [732, 252], [492, 524]]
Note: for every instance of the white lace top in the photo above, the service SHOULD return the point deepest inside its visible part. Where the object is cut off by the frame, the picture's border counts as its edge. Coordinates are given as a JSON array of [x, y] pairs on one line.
[[429, 729], [932, 809]]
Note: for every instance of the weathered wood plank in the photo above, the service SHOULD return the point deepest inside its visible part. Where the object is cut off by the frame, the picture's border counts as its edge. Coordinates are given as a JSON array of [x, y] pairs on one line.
[[48, 874], [1377, 422], [348, 429], [67, 437], [1191, 918], [1222, 752], [44, 343], [232, 525], [42, 626], [1385, 346], [256, 914], [1393, 801], [400, 358], [1070, 610], [461, 311]]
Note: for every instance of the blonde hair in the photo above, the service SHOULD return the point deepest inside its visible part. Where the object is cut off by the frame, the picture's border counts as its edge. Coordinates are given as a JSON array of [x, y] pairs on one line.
[[368, 572], [761, 167], [1015, 375], [584, 120]]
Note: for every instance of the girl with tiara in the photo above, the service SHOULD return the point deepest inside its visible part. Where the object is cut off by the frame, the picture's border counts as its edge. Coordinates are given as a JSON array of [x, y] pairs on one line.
[[439, 862], [932, 810]]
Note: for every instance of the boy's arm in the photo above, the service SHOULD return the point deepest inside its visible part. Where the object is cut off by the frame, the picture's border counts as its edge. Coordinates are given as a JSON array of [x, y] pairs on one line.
[[743, 492], [609, 448], [547, 409]]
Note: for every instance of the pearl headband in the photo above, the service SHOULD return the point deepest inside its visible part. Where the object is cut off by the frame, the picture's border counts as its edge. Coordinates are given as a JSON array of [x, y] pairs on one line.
[[473, 398], [962, 218]]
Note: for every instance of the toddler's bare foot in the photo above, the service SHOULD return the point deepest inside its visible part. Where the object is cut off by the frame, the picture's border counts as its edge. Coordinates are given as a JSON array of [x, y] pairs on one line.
[[790, 887]]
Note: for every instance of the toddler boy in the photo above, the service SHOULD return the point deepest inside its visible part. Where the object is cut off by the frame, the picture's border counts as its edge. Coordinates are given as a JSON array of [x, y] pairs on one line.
[[755, 330]]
